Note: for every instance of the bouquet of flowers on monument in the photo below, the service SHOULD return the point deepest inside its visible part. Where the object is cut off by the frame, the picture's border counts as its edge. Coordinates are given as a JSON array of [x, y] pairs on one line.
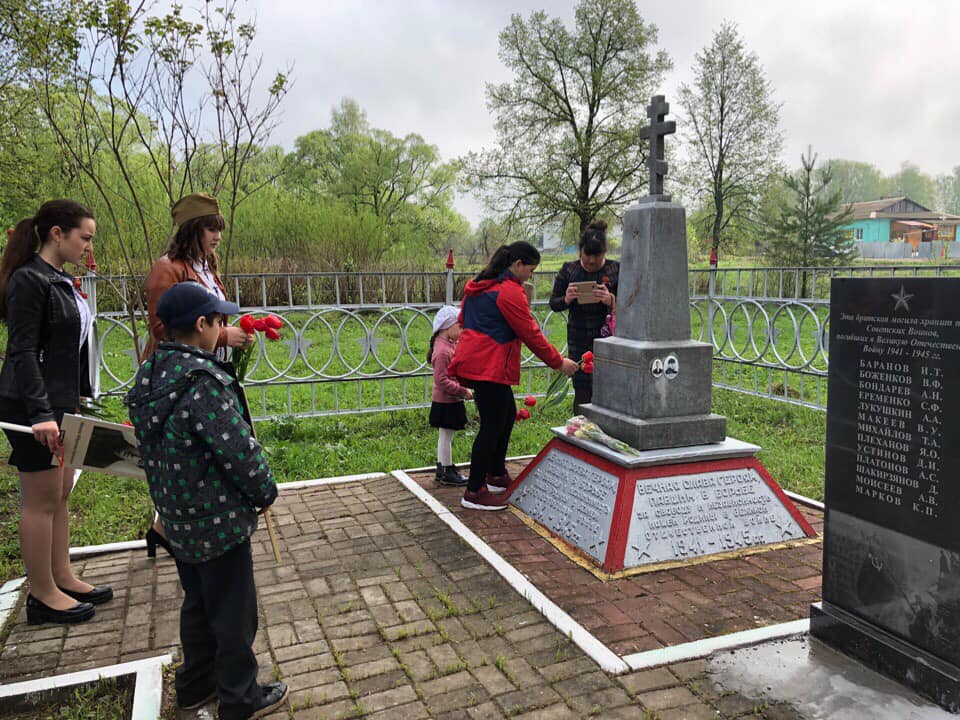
[[269, 326], [557, 389], [579, 426]]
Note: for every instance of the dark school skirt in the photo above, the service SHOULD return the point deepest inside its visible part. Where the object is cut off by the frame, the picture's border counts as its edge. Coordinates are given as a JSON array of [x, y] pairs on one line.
[[451, 416], [27, 454]]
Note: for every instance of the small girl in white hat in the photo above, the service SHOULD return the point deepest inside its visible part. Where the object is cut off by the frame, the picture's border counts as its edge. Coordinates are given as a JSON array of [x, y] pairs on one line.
[[447, 412]]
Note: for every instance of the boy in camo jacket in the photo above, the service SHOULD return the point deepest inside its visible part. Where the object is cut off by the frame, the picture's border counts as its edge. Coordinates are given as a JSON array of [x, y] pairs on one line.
[[208, 480]]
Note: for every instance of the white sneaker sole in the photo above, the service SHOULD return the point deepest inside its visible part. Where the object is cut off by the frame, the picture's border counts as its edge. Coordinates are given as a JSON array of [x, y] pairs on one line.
[[477, 506]]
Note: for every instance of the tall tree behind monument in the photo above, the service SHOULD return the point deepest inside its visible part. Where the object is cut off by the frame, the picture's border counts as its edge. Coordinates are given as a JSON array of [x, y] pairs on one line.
[[568, 123], [730, 123], [805, 231]]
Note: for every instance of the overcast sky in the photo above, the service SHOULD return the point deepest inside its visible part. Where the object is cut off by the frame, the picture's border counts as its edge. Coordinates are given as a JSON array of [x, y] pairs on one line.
[[870, 80]]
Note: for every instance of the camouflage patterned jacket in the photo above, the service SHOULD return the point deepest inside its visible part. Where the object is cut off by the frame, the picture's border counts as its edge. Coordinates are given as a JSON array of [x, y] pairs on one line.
[[206, 471]]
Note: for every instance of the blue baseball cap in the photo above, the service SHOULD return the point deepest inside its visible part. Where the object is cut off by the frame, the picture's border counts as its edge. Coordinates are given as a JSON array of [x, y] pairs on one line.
[[184, 302]]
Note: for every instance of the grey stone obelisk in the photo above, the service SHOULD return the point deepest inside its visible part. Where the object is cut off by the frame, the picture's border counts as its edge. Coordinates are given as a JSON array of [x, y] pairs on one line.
[[652, 384]]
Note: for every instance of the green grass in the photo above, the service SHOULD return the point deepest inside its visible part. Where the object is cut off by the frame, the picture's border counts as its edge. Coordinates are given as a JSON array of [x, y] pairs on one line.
[[106, 509], [105, 699]]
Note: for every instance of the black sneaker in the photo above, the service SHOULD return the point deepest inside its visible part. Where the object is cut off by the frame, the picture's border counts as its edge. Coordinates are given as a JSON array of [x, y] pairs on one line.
[[451, 476], [273, 696]]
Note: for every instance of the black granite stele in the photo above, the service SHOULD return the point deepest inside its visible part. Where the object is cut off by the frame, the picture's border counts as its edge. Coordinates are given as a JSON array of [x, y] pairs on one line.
[[891, 556]]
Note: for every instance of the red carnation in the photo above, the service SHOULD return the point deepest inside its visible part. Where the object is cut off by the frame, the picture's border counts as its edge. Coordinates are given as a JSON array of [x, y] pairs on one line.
[[274, 322], [523, 414], [587, 356], [247, 323], [588, 368], [259, 324], [530, 401], [271, 334]]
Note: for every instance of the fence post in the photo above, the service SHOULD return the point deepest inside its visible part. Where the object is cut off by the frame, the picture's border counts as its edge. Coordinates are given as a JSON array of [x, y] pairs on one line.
[[449, 296], [711, 289], [88, 284]]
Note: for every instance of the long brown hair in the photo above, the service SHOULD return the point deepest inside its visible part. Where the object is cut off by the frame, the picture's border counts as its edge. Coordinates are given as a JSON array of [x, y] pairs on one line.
[[32, 233], [186, 243]]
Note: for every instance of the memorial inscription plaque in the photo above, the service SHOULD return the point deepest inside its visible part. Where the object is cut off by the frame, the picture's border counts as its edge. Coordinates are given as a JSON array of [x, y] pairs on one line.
[[891, 544], [571, 498], [686, 516]]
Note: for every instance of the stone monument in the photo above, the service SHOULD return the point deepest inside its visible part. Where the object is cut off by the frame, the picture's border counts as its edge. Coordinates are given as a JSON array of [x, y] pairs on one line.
[[692, 492], [653, 384], [891, 556]]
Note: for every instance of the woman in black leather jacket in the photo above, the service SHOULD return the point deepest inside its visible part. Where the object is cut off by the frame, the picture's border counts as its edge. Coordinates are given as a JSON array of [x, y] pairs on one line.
[[44, 374]]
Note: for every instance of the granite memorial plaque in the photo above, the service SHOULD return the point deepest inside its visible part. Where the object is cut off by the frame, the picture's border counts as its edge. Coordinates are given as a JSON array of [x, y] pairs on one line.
[[891, 543], [687, 516], [571, 498]]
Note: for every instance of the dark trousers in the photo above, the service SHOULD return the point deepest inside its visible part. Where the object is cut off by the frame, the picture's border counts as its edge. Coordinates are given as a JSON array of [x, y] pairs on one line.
[[497, 410], [218, 623]]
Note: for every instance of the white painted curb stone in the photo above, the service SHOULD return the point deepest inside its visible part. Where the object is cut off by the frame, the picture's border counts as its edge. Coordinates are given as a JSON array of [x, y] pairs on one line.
[[601, 654]]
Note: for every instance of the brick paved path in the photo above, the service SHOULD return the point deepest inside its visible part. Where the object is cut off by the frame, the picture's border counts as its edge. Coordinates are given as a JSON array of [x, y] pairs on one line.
[[657, 609], [381, 611]]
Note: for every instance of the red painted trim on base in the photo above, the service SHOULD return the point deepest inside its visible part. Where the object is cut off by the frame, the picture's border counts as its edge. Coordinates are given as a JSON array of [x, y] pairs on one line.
[[620, 523], [782, 496], [626, 490]]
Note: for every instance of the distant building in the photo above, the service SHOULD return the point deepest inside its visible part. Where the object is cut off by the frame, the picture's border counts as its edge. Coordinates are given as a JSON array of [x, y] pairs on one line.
[[899, 228], [550, 236], [900, 219]]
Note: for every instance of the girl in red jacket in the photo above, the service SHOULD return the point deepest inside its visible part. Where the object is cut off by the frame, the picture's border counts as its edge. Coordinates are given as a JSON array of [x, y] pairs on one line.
[[496, 317]]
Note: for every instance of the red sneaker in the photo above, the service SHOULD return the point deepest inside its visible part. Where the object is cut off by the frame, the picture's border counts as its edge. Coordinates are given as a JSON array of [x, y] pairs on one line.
[[498, 484], [483, 499]]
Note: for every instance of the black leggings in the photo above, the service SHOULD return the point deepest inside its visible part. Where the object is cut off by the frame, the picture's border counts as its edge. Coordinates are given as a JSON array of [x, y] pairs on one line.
[[497, 410]]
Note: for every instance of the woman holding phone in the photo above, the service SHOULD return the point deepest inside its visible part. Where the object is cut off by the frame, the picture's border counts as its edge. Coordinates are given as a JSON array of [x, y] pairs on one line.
[[587, 288]]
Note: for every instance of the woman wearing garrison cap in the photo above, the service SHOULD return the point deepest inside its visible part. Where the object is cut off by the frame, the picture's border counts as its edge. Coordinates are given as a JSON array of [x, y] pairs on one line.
[[191, 255]]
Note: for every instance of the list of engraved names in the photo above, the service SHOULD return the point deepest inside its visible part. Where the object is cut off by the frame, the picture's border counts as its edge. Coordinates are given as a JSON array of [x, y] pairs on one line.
[[899, 408]]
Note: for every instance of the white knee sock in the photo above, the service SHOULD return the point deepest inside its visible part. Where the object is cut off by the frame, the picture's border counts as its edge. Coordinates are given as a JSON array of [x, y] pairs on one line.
[[445, 447]]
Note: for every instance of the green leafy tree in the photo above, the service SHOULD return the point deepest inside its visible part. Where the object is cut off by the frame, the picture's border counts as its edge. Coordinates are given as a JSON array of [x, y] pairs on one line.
[[948, 192], [568, 123], [402, 182], [806, 230], [729, 121], [913, 183], [117, 86], [856, 181]]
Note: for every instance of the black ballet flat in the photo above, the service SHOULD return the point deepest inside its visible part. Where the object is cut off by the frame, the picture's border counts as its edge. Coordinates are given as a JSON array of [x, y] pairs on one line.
[[97, 596], [153, 539], [38, 613]]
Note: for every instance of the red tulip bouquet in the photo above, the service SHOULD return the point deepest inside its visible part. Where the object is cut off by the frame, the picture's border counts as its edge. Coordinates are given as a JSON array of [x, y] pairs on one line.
[[269, 326], [524, 414], [557, 389]]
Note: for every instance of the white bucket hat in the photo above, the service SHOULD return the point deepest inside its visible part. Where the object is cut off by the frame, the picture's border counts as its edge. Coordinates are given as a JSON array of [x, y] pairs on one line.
[[445, 317]]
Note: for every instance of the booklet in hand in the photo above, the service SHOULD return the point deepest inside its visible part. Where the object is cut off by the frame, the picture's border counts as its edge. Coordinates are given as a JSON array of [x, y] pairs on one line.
[[100, 446]]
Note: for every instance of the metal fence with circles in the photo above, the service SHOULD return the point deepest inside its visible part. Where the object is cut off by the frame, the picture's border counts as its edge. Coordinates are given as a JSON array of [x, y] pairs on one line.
[[365, 349]]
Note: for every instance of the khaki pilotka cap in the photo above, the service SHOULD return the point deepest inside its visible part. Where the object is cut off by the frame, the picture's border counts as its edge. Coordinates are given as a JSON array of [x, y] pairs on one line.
[[193, 206]]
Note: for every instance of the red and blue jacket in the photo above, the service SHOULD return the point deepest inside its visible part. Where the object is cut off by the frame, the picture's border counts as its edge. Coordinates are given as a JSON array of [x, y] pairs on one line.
[[496, 317]]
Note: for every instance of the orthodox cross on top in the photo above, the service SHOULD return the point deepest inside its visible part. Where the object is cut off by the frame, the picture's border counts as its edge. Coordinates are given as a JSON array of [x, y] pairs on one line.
[[657, 131]]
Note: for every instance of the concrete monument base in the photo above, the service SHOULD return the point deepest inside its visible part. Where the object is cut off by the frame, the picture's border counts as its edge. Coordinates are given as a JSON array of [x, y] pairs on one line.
[[888, 654], [665, 506]]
